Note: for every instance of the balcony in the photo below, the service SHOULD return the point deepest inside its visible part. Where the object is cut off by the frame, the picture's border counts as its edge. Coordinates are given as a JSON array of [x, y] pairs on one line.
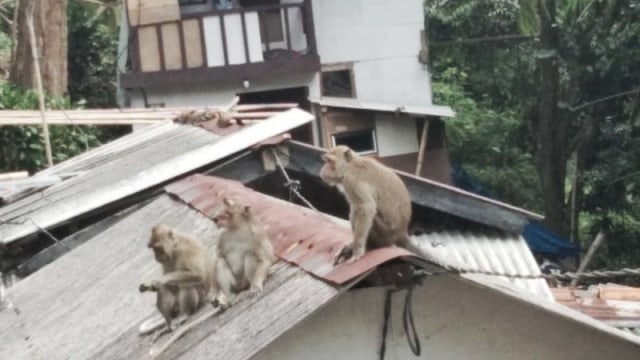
[[228, 45]]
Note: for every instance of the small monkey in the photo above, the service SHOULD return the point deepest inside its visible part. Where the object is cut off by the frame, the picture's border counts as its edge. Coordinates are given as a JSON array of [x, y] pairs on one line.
[[244, 252], [188, 273], [379, 202]]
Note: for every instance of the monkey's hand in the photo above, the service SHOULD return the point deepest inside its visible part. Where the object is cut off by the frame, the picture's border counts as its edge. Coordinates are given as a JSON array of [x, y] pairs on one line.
[[151, 286], [222, 302]]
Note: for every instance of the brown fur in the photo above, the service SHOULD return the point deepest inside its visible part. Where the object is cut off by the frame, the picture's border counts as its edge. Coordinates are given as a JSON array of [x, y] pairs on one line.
[[379, 202], [187, 272], [244, 252]]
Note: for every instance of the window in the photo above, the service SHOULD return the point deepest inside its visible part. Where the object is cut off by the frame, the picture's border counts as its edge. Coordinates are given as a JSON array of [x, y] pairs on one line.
[[191, 2], [337, 83], [361, 141]]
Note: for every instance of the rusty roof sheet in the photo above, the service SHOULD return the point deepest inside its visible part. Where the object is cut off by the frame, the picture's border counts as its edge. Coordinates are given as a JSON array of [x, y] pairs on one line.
[[299, 235], [616, 305]]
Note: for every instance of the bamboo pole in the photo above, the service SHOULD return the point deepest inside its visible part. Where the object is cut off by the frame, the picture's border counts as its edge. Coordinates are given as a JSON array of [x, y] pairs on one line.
[[36, 68], [423, 146], [587, 258]]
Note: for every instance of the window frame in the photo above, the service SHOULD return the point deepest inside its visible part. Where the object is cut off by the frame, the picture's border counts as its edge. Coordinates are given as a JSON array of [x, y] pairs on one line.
[[371, 131]]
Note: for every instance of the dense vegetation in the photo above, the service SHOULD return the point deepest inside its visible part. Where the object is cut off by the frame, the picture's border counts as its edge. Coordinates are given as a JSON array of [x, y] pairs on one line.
[[489, 60], [92, 47]]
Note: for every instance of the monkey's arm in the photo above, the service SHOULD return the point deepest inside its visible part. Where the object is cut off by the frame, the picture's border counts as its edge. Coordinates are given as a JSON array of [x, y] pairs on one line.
[[182, 278]]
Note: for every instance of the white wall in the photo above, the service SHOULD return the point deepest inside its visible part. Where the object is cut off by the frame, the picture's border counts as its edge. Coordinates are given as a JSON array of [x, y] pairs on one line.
[[454, 320], [395, 136], [382, 39]]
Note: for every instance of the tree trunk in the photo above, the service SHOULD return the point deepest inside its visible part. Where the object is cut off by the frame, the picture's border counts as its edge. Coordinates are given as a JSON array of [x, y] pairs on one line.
[[50, 22], [548, 127]]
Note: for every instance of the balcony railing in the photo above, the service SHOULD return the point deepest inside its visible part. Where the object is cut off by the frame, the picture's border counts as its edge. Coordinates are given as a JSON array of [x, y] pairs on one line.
[[223, 45]]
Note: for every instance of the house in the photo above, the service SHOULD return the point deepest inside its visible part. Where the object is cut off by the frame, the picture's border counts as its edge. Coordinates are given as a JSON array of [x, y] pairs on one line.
[[358, 66], [79, 296]]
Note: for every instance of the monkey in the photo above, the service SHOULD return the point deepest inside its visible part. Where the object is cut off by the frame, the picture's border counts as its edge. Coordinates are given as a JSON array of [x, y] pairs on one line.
[[188, 273], [244, 252], [379, 202]]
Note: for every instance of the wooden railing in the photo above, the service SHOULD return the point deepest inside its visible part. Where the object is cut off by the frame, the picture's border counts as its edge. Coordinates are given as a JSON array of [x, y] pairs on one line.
[[230, 40]]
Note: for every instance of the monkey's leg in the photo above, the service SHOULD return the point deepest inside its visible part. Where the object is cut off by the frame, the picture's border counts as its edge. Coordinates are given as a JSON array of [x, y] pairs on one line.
[[260, 274], [361, 218], [188, 300], [167, 302], [226, 282]]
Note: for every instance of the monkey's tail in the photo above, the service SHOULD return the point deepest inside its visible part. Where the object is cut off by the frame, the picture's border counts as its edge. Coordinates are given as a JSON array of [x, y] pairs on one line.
[[407, 244]]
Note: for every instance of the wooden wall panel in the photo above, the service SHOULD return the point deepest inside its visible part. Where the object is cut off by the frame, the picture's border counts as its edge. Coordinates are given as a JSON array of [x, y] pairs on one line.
[[148, 49], [143, 12], [193, 43], [171, 46]]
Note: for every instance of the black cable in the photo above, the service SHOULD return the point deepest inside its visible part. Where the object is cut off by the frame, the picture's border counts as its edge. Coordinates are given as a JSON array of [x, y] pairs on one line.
[[385, 323], [408, 324]]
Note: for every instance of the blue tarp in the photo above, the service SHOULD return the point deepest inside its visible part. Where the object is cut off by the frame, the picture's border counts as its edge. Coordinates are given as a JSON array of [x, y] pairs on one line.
[[540, 239]]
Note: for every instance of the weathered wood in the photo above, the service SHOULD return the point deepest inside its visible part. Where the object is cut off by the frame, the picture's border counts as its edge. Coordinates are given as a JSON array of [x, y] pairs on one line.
[[587, 258], [154, 165], [423, 146], [622, 293], [431, 194], [70, 308], [14, 175]]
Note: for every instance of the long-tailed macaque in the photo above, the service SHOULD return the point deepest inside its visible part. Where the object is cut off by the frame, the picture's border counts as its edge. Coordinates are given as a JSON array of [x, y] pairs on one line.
[[188, 273], [379, 202], [244, 252]]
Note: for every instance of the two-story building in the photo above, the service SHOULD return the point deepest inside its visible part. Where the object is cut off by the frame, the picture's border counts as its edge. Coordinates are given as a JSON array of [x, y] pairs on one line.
[[358, 65]]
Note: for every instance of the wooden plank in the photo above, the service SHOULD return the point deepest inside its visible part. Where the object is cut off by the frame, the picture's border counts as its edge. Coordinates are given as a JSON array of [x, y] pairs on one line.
[[143, 12], [148, 48], [193, 36], [143, 178], [619, 293], [55, 313], [14, 175], [430, 194], [171, 46]]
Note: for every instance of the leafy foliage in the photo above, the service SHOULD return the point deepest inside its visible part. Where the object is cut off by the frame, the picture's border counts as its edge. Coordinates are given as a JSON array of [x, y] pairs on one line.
[[22, 147], [93, 48], [488, 143], [598, 54]]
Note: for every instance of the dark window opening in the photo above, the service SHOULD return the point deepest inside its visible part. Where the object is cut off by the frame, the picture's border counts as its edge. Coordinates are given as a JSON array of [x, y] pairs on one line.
[[337, 83], [192, 2], [297, 95], [360, 141]]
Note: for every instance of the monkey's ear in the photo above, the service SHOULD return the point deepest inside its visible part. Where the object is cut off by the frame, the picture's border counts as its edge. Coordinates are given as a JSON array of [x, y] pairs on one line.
[[327, 158], [227, 201], [348, 155], [247, 211], [171, 234]]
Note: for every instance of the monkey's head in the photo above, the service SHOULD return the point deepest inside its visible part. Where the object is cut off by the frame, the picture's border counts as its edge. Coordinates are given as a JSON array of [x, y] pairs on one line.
[[162, 242], [233, 215], [336, 163]]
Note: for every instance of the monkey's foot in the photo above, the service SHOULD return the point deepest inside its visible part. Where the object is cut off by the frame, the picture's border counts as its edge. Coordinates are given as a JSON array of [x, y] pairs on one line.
[[349, 254], [255, 290]]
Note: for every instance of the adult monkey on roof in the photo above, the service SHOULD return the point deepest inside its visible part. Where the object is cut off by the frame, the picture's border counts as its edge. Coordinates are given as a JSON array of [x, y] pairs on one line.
[[379, 202]]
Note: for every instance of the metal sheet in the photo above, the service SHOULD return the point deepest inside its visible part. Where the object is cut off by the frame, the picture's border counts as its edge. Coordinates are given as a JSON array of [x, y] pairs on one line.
[[501, 253], [129, 167]]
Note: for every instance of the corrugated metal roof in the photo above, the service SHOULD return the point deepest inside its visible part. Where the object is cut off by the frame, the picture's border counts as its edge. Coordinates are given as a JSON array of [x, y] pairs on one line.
[[350, 103], [493, 252], [302, 236], [131, 164]]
